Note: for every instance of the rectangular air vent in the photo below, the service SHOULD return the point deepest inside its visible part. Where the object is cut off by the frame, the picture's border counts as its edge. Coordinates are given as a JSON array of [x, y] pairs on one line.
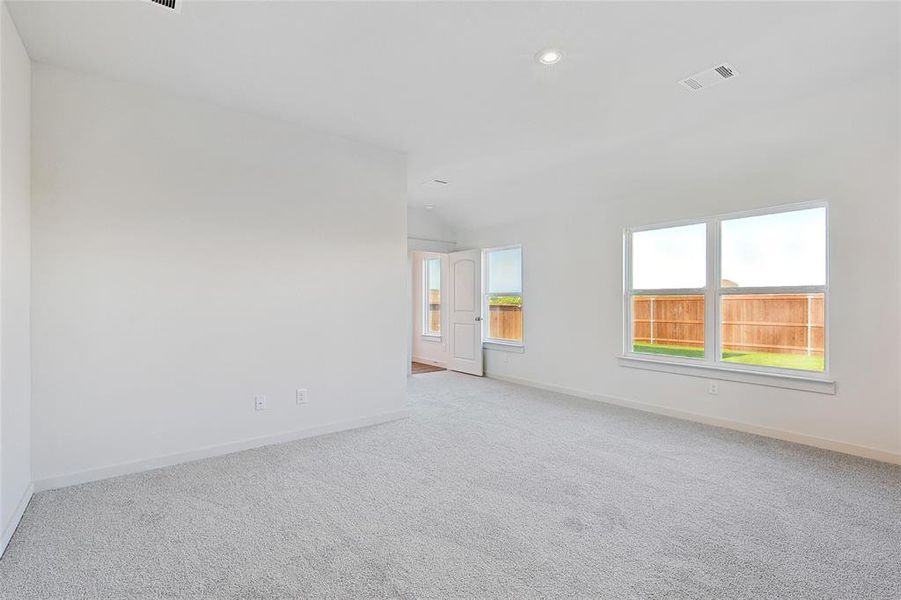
[[725, 71], [170, 4], [710, 77]]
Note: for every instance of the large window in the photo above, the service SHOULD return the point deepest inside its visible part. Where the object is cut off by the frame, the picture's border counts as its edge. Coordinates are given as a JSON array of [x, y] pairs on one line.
[[503, 295], [431, 296], [752, 287]]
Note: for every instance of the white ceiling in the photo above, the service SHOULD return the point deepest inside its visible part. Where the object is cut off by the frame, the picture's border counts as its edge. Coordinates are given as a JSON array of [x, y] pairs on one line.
[[456, 86]]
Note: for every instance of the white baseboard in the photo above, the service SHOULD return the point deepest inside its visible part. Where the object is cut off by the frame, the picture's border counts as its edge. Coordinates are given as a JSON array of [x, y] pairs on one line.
[[10, 527], [429, 361], [788, 436], [116, 470]]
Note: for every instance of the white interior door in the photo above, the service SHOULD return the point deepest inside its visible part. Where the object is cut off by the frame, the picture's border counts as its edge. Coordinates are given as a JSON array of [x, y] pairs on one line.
[[465, 318]]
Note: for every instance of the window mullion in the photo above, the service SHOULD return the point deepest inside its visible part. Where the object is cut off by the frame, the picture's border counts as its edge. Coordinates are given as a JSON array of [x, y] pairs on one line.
[[711, 294], [426, 330], [782, 289], [627, 291]]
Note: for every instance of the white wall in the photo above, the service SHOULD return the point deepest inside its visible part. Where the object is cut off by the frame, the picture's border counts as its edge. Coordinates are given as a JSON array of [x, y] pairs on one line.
[[428, 349], [187, 257], [427, 231], [841, 147], [15, 274]]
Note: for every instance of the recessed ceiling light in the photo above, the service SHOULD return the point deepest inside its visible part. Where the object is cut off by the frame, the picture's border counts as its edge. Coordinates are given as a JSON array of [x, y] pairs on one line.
[[549, 56], [429, 206]]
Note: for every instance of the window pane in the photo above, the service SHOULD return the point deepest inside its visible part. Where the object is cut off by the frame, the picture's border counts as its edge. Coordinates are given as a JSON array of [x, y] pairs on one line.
[[433, 291], [671, 325], [674, 257], [505, 271], [775, 330], [772, 250], [505, 317]]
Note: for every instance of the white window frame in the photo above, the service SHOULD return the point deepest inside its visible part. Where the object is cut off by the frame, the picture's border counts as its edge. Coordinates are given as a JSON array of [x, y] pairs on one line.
[[496, 343], [712, 365], [426, 327]]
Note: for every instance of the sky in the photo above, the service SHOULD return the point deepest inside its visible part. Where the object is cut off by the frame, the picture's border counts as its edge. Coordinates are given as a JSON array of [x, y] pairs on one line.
[[505, 271], [434, 270], [770, 250]]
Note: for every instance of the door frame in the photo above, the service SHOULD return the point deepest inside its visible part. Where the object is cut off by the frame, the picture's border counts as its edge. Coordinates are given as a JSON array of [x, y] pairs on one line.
[[418, 342]]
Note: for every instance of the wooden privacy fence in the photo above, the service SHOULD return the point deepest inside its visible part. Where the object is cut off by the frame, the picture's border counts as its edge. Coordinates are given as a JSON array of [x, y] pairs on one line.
[[783, 323], [668, 320], [434, 310], [505, 322]]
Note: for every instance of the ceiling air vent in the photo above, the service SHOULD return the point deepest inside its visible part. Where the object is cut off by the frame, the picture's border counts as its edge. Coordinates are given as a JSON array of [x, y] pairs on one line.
[[174, 5], [725, 71], [710, 77]]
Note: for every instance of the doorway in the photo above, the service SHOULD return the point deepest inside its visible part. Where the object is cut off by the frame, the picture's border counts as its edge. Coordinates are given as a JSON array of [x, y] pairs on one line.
[[430, 341], [446, 315]]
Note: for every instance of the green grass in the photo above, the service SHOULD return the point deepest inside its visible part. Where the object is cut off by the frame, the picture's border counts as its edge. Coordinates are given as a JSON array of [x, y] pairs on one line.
[[669, 350], [505, 300], [772, 359], [768, 359]]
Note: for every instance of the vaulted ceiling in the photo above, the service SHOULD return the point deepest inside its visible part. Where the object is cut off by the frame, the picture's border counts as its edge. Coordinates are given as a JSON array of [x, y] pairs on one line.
[[456, 85]]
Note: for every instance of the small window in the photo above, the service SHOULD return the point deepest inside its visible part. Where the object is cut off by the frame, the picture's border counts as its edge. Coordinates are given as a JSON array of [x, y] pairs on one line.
[[765, 311], [431, 296], [503, 297]]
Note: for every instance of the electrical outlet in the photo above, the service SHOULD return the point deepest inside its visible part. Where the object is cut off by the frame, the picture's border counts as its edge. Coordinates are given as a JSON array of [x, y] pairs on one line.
[[259, 402], [713, 388], [301, 396]]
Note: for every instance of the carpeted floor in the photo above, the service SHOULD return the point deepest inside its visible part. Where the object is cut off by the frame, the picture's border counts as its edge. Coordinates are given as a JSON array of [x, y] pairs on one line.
[[488, 490]]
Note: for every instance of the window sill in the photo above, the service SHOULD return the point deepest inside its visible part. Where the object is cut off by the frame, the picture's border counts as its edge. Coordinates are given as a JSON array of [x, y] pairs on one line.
[[504, 346], [430, 338], [806, 383]]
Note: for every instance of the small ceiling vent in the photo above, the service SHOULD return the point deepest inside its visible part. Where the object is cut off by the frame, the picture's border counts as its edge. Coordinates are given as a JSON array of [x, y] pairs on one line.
[[173, 5], [434, 183], [710, 77]]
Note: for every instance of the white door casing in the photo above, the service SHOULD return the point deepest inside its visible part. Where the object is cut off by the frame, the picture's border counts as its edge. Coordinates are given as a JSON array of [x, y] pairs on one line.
[[465, 318]]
